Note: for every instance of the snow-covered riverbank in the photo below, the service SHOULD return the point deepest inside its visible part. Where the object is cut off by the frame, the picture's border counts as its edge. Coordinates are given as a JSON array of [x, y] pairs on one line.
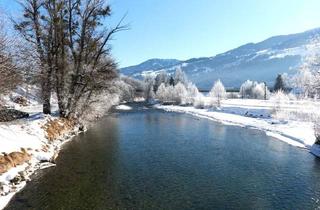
[[255, 114], [31, 135]]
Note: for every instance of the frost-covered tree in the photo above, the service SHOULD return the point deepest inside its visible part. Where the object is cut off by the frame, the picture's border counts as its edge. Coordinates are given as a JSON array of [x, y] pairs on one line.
[[161, 93], [218, 92], [180, 93], [193, 92], [246, 89], [180, 76], [162, 77], [255, 90], [258, 91], [148, 87], [306, 83], [72, 42], [279, 84]]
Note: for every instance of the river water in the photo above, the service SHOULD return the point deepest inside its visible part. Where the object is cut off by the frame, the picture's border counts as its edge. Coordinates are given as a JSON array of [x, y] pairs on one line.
[[150, 159]]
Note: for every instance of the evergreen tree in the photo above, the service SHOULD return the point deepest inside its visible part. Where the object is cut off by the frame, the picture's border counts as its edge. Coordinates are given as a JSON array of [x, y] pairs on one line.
[[171, 82], [279, 84]]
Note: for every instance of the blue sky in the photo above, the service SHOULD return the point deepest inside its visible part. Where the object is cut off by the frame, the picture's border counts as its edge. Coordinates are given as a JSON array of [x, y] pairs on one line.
[[185, 29]]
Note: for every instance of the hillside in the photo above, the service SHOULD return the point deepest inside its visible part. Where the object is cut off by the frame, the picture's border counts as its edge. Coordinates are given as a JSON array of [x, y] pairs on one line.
[[256, 61]]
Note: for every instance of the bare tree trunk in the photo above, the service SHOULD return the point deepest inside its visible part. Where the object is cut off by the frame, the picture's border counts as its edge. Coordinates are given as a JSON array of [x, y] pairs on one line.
[[46, 87]]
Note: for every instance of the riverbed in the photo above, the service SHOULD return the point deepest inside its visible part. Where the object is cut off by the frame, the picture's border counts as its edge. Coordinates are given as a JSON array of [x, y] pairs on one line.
[[150, 159]]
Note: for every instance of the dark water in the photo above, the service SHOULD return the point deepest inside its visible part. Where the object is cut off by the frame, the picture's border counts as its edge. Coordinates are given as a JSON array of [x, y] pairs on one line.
[[149, 159]]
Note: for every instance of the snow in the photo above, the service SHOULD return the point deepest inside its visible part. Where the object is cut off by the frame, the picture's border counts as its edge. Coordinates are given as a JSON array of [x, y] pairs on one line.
[[26, 133], [255, 114], [5, 178], [123, 107]]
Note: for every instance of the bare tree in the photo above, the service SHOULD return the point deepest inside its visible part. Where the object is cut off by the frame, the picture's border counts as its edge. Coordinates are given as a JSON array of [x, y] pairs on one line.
[[9, 76], [35, 30], [73, 47]]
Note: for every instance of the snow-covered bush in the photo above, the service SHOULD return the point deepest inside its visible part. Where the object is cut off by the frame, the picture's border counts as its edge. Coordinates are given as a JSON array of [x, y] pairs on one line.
[[255, 90], [279, 99], [199, 102], [218, 92]]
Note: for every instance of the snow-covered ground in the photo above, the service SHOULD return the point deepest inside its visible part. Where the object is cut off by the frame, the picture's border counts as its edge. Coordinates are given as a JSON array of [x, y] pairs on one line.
[[29, 134], [259, 114]]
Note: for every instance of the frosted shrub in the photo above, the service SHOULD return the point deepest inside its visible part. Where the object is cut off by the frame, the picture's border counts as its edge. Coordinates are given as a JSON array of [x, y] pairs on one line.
[[279, 99], [180, 94], [218, 92], [199, 102]]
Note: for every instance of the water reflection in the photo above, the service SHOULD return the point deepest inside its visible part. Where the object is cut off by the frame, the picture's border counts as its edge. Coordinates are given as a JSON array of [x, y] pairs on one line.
[[148, 159]]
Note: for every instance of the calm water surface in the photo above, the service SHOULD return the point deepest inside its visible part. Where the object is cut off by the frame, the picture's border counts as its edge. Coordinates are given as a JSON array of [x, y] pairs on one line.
[[149, 159]]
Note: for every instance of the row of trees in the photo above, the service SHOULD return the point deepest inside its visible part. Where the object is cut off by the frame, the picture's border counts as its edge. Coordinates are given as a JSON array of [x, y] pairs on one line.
[[71, 48], [177, 89]]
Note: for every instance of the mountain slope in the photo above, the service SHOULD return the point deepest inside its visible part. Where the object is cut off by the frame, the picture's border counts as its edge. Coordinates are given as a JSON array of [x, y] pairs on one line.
[[256, 61]]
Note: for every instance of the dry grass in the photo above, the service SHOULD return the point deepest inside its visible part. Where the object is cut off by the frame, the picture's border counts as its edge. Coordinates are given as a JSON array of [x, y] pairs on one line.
[[58, 127], [13, 159]]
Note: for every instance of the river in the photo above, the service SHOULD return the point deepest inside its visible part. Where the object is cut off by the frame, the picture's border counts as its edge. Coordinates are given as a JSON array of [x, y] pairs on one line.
[[150, 159]]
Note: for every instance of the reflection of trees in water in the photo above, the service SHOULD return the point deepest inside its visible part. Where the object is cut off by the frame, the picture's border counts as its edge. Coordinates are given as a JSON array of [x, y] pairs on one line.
[[217, 130], [179, 120]]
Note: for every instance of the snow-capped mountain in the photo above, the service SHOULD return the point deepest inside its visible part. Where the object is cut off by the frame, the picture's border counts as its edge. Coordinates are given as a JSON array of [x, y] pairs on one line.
[[255, 61]]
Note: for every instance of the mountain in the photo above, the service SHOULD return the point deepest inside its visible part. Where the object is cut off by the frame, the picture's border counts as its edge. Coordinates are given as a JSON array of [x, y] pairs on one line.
[[152, 64], [255, 61]]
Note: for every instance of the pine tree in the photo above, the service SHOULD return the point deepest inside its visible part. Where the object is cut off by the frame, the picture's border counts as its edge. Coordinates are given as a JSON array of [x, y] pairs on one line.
[[279, 84]]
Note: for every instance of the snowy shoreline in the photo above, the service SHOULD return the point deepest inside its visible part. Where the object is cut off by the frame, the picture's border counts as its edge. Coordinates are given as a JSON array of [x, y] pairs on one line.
[[295, 133], [28, 133]]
